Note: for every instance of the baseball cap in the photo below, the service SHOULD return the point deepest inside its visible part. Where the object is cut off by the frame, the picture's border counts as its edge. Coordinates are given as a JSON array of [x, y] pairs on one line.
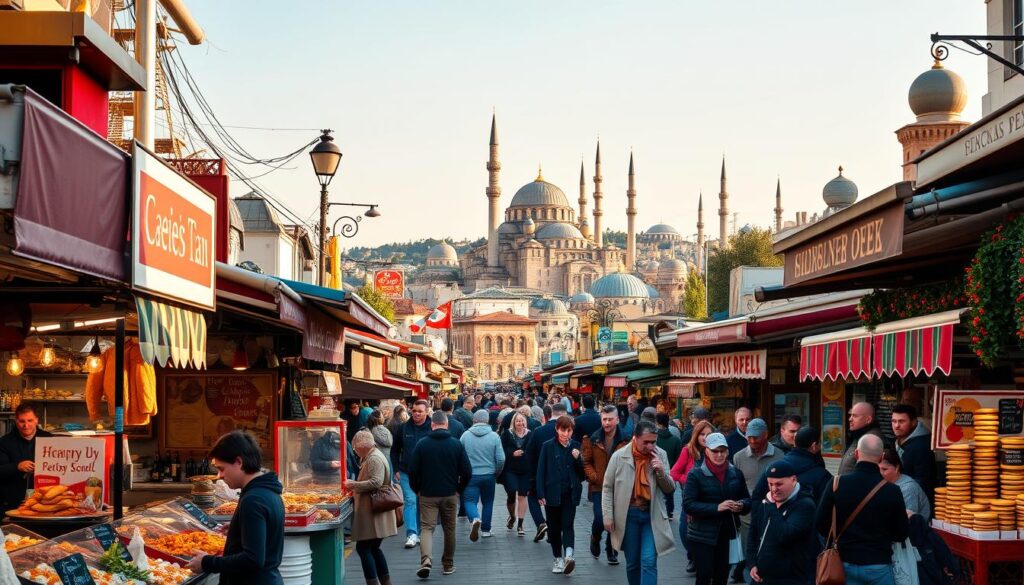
[[781, 469], [715, 441], [756, 428], [700, 413]]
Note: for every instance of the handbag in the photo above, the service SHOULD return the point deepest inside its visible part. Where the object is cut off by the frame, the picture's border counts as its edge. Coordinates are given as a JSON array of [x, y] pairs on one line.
[[904, 563], [829, 566], [388, 497]]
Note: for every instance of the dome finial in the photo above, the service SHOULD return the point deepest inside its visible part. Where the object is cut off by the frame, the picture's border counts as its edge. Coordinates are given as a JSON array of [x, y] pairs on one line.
[[840, 170], [540, 173]]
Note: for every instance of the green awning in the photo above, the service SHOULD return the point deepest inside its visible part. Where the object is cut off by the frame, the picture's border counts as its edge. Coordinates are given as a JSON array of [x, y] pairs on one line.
[[645, 373], [560, 379]]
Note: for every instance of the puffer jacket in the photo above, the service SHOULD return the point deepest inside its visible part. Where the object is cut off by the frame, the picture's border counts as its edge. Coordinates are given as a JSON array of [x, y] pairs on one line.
[[701, 496], [596, 457]]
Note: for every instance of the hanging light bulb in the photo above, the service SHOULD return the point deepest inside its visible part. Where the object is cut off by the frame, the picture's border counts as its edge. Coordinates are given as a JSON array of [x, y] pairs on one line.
[[94, 363], [15, 365], [240, 361], [48, 356]]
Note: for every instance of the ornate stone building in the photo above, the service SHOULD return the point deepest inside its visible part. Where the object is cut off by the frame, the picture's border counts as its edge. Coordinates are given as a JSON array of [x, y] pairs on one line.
[[497, 346]]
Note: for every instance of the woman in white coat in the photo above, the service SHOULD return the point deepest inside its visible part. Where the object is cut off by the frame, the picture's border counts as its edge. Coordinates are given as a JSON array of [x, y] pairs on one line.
[[634, 513]]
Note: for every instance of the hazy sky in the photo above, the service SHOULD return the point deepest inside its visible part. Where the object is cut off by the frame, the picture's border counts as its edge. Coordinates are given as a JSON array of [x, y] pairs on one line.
[[789, 88]]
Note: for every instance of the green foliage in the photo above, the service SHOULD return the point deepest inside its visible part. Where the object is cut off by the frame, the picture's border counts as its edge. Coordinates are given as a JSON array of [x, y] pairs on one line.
[[694, 298], [410, 252], [882, 306], [615, 237], [112, 562], [379, 302], [753, 248]]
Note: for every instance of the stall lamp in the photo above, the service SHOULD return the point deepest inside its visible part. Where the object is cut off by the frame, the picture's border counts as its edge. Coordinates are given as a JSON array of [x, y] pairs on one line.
[[240, 361], [94, 363], [272, 361], [15, 365], [48, 356]]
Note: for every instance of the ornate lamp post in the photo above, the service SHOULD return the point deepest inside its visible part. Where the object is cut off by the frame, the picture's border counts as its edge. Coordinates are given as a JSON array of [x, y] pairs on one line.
[[604, 313], [326, 156]]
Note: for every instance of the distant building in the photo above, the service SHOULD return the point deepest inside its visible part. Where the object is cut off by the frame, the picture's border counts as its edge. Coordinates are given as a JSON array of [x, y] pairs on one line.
[[278, 248], [497, 346]]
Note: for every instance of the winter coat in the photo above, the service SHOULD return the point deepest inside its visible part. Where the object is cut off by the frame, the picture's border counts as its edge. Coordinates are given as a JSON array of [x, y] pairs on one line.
[[670, 444], [753, 466], [617, 490], [937, 566], [914, 497], [557, 468], [464, 416], [439, 466], [848, 462], [455, 426], [255, 539], [543, 434], [374, 474], [596, 457], [701, 496], [586, 424], [737, 442], [139, 387], [917, 459], [409, 435], [325, 451], [810, 472], [13, 450], [781, 541], [510, 443], [483, 447], [383, 439], [683, 465], [780, 445]]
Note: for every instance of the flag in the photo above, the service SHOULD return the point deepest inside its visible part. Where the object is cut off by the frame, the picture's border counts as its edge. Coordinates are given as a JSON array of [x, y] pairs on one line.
[[441, 318]]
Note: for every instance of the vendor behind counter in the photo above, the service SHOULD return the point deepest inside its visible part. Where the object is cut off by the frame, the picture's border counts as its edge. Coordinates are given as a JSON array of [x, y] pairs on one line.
[[17, 457]]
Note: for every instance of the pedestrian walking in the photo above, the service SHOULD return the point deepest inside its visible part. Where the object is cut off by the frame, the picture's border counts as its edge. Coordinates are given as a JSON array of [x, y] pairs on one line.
[[691, 456], [542, 435], [808, 465], [369, 528], [715, 495], [486, 458], [455, 426], [465, 412], [633, 514], [439, 471], [914, 497], [865, 515], [696, 415], [381, 435], [597, 450], [862, 422], [672, 447], [753, 461], [409, 435], [914, 447], [738, 437], [514, 442], [782, 544], [589, 421], [559, 488], [399, 415]]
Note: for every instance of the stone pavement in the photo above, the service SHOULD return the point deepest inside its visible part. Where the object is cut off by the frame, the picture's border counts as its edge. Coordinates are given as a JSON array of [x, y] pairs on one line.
[[513, 559]]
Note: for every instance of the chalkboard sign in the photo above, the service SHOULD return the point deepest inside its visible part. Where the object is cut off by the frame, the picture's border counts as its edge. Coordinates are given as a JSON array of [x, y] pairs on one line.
[[1013, 457], [104, 534], [1011, 416], [298, 408], [72, 570], [883, 415], [199, 515]]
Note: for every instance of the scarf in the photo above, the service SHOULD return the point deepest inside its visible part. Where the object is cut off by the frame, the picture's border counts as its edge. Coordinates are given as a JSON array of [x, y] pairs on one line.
[[718, 470], [642, 481]]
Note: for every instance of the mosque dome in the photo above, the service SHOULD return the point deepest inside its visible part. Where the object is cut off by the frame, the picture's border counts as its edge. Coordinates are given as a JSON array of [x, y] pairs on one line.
[[651, 266], [672, 267], [443, 251], [619, 285], [509, 227], [549, 306], [653, 292], [559, 231], [581, 298], [663, 228], [840, 191], [538, 194], [938, 93]]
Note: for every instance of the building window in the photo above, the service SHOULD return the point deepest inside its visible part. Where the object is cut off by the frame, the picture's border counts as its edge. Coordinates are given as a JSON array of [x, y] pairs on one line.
[[487, 345], [522, 345], [498, 372], [544, 335], [500, 347], [1018, 30], [511, 345], [485, 372]]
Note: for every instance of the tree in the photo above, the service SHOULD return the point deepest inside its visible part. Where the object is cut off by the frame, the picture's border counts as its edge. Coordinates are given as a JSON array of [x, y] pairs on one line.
[[614, 237], [379, 302], [693, 304], [748, 248]]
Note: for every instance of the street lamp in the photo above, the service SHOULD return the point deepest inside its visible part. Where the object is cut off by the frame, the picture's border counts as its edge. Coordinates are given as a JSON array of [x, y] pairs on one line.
[[604, 313], [326, 156]]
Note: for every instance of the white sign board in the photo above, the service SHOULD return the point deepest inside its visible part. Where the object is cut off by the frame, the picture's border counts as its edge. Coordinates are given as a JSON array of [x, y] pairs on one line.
[[75, 462], [741, 365]]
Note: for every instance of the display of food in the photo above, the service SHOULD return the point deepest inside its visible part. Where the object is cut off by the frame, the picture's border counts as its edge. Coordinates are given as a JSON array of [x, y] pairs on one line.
[[225, 509], [311, 498], [162, 572], [46, 575], [181, 545], [55, 502], [324, 516], [15, 541]]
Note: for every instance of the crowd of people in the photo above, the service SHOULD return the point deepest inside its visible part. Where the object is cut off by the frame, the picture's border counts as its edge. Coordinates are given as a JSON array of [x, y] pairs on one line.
[[754, 507]]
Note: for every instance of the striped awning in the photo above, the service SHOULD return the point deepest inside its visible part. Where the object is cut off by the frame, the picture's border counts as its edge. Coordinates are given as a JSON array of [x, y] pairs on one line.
[[170, 336], [683, 387], [614, 381], [834, 356], [920, 345]]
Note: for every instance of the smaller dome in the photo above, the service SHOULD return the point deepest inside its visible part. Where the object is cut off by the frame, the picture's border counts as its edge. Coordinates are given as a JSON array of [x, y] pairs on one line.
[[509, 228], [937, 94], [840, 191], [653, 292], [663, 228], [581, 298], [559, 231], [619, 285], [652, 265], [672, 267], [442, 251], [549, 306]]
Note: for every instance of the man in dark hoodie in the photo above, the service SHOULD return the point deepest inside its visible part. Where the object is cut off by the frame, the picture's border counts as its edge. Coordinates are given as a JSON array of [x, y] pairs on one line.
[[455, 426], [782, 539], [439, 471], [807, 464], [409, 435], [862, 422], [914, 446], [255, 540], [17, 457], [587, 422]]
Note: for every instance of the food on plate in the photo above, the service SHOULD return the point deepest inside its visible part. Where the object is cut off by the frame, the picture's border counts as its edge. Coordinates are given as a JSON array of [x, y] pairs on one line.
[[14, 542], [181, 545], [57, 500], [162, 572], [325, 516], [225, 509], [46, 575]]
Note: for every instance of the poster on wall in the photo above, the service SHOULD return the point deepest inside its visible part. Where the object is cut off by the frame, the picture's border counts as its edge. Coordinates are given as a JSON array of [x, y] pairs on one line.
[[953, 416], [200, 408], [833, 418], [798, 403], [79, 464]]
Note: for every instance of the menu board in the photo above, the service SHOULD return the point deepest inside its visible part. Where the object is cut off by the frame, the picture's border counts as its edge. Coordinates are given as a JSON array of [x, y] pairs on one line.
[[199, 408], [883, 415], [78, 463], [72, 570], [833, 418], [954, 414]]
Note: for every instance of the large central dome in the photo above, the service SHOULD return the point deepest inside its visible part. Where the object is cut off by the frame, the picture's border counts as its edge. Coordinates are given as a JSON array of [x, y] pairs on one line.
[[539, 193]]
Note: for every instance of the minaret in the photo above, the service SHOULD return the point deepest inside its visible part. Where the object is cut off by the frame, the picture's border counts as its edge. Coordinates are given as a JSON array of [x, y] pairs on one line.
[[598, 235], [493, 195], [700, 231], [584, 224], [631, 219], [723, 211], [778, 205]]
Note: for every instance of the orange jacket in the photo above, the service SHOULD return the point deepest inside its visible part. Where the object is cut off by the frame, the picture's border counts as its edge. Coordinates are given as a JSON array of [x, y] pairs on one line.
[[139, 383]]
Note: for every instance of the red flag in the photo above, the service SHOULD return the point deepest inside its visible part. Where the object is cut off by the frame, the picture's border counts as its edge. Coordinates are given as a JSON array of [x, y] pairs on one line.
[[441, 318]]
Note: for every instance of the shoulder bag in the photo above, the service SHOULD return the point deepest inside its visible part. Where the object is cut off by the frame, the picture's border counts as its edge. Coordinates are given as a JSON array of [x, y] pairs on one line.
[[829, 569], [388, 497]]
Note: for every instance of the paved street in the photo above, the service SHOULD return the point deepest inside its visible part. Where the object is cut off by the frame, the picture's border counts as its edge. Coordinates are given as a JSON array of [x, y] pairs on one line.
[[507, 556]]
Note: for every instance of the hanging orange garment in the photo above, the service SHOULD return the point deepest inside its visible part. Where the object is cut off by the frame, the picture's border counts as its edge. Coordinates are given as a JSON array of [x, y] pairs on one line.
[[139, 383], [96, 388]]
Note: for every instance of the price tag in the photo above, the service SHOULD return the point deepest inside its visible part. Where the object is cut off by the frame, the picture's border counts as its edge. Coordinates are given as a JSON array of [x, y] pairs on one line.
[[199, 515], [104, 534], [72, 570], [1013, 457], [1011, 416]]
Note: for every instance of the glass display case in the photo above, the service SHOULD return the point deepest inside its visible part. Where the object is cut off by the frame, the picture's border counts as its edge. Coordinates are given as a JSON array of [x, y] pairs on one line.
[[16, 537], [311, 463]]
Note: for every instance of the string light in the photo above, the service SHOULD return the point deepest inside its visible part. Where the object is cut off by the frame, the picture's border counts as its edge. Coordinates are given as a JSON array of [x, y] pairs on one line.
[[94, 363], [15, 365]]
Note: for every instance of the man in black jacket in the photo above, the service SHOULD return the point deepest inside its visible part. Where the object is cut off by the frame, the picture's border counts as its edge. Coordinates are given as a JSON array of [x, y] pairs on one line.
[[865, 547], [781, 542], [543, 434], [17, 457], [914, 445], [588, 422], [807, 464], [409, 435], [439, 471], [455, 426]]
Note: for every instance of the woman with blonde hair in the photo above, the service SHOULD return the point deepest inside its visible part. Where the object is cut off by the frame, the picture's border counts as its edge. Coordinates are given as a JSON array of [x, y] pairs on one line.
[[370, 528], [516, 475], [690, 456]]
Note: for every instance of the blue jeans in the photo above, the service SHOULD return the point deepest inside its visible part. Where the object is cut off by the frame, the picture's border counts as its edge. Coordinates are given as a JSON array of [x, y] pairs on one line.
[[638, 546], [868, 574], [411, 513], [536, 512], [598, 525], [480, 488], [683, 525]]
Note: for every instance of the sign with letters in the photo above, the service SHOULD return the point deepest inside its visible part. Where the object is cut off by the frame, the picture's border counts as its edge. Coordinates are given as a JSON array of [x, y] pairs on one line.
[[953, 417], [390, 283], [72, 570], [173, 226], [741, 365], [80, 463], [868, 239]]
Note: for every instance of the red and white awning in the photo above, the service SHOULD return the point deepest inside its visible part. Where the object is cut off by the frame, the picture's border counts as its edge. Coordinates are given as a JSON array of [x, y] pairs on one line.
[[920, 345], [834, 356], [683, 387]]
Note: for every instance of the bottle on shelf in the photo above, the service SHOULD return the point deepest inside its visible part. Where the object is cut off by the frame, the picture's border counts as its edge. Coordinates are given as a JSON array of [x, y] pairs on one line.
[[172, 467], [179, 469], [154, 472], [190, 466]]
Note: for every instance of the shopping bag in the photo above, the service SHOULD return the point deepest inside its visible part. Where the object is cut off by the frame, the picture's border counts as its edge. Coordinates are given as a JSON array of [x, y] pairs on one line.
[[736, 552], [904, 563]]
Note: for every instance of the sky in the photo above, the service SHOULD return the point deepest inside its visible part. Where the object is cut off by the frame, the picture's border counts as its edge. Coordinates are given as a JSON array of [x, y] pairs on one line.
[[787, 89]]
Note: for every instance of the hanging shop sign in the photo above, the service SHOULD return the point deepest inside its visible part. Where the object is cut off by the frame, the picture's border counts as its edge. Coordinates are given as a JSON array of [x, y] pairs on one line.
[[324, 340], [868, 239], [954, 414], [742, 365], [600, 368], [647, 352], [390, 283], [736, 332], [173, 223]]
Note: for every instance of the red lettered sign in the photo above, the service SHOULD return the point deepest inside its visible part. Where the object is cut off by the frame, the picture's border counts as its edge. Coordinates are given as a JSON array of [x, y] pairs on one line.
[[390, 283]]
